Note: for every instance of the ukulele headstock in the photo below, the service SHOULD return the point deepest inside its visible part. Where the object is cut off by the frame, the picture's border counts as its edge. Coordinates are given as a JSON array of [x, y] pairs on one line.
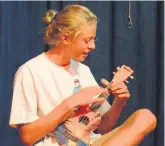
[[122, 74]]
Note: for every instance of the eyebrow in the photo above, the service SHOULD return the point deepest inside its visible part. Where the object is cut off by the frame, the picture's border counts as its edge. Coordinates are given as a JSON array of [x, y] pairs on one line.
[[89, 38]]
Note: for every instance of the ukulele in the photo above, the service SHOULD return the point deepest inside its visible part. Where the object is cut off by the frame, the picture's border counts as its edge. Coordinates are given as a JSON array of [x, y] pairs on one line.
[[76, 131]]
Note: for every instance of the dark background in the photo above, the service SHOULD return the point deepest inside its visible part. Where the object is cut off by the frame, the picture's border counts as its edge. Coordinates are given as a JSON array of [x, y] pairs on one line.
[[140, 47]]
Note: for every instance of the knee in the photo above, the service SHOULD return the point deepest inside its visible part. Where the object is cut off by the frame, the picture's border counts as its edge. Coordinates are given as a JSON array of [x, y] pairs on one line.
[[147, 119]]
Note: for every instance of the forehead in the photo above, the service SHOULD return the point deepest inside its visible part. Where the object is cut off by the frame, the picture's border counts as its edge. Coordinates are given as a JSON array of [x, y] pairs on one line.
[[88, 30]]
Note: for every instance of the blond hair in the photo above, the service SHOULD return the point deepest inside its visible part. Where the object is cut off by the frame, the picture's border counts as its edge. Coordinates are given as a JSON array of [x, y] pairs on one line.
[[70, 20]]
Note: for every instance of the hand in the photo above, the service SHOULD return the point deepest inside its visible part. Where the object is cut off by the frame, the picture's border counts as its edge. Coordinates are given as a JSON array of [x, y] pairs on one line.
[[119, 90], [85, 97]]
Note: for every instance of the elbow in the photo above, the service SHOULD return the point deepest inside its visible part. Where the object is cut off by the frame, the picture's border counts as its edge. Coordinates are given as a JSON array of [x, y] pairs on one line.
[[25, 137], [26, 140]]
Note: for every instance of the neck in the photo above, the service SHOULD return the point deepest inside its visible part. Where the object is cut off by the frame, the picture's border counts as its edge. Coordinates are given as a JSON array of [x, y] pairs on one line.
[[59, 56]]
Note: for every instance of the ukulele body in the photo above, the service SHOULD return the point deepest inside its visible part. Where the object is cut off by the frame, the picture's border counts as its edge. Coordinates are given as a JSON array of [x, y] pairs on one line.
[[77, 130]]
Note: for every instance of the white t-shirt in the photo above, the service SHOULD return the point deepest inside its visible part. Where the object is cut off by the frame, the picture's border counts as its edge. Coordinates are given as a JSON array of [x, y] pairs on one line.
[[40, 86]]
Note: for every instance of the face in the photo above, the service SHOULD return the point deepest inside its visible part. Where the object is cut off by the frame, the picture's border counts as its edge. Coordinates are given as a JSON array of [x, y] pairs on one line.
[[84, 43]]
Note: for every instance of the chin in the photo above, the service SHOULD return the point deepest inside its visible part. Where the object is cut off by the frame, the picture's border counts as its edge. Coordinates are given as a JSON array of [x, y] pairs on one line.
[[79, 59]]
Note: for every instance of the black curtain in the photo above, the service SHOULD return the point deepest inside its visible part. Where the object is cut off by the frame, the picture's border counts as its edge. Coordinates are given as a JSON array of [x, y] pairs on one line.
[[140, 47]]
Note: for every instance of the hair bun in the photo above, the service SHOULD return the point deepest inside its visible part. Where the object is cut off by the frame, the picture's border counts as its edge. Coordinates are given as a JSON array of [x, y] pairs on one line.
[[49, 16]]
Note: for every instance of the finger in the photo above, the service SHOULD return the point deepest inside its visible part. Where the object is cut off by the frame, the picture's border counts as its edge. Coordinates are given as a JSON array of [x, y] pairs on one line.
[[118, 86], [120, 91], [125, 96], [117, 83], [114, 85], [105, 82]]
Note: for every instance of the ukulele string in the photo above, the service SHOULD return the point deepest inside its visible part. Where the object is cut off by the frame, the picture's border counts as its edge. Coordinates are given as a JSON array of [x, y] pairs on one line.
[[102, 95], [96, 105]]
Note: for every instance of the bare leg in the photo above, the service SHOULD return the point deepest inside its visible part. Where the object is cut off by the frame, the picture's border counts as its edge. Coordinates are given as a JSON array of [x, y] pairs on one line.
[[130, 133]]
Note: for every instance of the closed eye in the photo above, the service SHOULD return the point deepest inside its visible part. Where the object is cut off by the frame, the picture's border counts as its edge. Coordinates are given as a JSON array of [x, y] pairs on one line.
[[91, 39]]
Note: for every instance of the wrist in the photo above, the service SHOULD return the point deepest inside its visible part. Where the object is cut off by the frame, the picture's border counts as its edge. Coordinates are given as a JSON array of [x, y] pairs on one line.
[[69, 103], [120, 102]]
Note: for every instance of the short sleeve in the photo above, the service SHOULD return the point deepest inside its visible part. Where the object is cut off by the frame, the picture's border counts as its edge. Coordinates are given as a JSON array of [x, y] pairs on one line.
[[106, 106], [91, 78], [24, 100]]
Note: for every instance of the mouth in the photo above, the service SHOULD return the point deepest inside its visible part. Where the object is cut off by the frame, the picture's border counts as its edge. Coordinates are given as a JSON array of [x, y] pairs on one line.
[[85, 53]]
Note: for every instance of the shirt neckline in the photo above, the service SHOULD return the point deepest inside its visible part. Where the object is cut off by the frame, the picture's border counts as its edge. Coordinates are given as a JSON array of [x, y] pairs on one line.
[[68, 71]]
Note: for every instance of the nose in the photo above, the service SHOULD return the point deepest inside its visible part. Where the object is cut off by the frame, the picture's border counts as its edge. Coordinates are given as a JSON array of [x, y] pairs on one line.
[[91, 45]]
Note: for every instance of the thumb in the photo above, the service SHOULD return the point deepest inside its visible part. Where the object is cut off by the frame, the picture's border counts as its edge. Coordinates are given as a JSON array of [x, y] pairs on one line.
[[105, 82]]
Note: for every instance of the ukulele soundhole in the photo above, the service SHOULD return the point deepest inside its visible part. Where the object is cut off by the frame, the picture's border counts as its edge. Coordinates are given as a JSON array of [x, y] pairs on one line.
[[95, 107], [84, 120]]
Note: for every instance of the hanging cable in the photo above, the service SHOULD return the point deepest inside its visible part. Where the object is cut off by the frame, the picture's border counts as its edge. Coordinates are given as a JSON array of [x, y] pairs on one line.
[[129, 16]]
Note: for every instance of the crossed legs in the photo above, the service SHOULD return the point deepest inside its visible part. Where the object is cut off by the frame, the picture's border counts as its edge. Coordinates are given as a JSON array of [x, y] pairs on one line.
[[130, 133]]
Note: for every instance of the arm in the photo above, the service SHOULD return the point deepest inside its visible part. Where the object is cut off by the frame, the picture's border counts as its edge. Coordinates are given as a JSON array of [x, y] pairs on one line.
[[24, 114], [24, 110], [32, 132], [121, 93], [47, 123], [111, 116]]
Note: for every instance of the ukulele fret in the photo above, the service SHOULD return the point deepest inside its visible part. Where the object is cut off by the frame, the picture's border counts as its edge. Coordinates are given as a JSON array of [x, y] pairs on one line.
[[95, 107], [70, 136]]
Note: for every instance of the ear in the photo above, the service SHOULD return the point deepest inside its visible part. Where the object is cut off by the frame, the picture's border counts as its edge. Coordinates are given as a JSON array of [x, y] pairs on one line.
[[65, 39]]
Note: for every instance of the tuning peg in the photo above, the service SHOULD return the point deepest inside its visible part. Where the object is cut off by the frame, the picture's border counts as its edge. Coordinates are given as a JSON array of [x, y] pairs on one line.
[[118, 68], [131, 77], [126, 81], [114, 73]]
